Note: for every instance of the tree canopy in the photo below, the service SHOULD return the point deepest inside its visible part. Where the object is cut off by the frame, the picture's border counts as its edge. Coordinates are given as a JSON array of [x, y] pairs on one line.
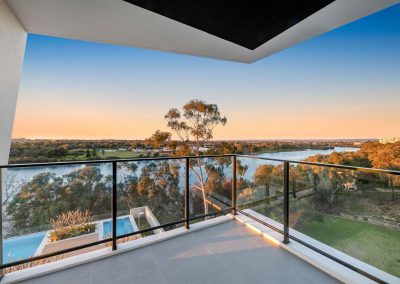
[[196, 123], [159, 139]]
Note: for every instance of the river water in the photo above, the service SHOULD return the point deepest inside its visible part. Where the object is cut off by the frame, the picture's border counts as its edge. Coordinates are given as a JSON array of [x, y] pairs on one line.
[[26, 174], [252, 164], [302, 155]]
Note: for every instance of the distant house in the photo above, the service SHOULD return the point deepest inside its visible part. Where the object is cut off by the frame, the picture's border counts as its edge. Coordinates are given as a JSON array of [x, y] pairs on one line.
[[351, 185]]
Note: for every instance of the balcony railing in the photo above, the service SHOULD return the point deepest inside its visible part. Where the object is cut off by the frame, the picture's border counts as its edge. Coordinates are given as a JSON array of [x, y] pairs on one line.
[[150, 195]]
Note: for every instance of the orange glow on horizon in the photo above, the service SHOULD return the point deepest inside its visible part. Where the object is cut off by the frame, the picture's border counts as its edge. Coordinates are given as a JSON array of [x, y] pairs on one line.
[[114, 120]]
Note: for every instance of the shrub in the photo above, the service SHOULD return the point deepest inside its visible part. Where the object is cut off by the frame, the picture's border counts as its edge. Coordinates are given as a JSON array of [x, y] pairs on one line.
[[77, 152], [72, 224], [123, 240], [31, 264]]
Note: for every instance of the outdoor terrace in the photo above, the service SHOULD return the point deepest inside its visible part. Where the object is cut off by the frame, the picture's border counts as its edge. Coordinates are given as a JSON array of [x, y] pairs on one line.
[[257, 220], [227, 252]]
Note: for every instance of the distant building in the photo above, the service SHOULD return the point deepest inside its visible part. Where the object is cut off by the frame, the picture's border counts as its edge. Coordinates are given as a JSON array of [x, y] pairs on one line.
[[351, 185], [386, 140]]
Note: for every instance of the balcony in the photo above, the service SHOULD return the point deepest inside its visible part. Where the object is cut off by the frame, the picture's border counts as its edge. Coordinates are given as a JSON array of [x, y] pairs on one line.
[[227, 218], [223, 253]]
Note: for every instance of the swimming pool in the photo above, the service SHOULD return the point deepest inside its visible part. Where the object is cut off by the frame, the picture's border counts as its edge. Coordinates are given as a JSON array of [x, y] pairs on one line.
[[124, 226], [21, 247]]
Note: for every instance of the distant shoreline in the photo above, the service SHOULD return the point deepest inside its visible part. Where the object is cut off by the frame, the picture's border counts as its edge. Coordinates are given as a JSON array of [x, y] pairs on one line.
[[294, 150]]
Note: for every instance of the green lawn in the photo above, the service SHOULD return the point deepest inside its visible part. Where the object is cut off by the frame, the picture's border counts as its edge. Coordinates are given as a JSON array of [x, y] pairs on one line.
[[100, 156], [372, 244], [118, 154]]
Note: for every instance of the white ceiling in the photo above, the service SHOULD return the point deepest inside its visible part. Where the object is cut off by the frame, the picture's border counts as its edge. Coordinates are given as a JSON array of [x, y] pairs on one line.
[[121, 23]]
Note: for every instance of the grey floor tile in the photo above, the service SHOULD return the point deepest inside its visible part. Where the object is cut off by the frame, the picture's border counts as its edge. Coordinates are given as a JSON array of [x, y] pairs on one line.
[[224, 253]]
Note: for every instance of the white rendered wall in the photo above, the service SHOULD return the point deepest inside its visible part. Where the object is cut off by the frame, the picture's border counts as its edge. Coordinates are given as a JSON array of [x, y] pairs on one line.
[[12, 49]]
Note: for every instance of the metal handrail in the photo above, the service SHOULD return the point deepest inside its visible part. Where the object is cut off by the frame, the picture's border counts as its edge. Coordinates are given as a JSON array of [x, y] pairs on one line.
[[361, 169], [110, 161], [114, 237], [187, 219]]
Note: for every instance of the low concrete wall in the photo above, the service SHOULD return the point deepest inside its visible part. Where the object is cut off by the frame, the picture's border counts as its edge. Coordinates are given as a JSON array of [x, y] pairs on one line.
[[50, 247], [146, 212]]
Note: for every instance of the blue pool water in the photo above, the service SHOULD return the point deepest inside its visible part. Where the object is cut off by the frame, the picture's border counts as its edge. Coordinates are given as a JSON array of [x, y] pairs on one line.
[[124, 226], [21, 247]]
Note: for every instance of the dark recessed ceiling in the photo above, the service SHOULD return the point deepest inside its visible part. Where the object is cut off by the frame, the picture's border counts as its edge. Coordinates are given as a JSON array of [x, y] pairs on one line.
[[249, 23]]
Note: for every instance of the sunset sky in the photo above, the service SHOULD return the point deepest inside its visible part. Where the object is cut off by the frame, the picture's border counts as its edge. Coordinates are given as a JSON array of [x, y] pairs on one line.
[[344, 84]]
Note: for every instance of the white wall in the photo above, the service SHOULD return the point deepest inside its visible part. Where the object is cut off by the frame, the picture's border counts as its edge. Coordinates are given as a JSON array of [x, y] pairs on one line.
[[12, 49]]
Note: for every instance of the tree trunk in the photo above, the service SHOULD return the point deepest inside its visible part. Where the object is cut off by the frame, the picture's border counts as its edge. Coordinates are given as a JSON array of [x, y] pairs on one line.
[[267, 194], [392, 187], [202, 185]]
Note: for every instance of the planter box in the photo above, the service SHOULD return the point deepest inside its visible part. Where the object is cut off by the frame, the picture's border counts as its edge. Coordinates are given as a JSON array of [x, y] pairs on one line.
[[50, 247]]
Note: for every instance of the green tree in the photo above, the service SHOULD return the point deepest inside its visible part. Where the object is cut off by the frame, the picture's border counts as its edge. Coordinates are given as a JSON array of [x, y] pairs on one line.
[[173, 145], [325, 197], [36, 203], [263, 177], [88, 154], [194, 126], [157, 186], [159, 139], [46, 196]]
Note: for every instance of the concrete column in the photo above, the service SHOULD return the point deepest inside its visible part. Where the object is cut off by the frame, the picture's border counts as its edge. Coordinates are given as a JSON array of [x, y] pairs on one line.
[[12, 49]]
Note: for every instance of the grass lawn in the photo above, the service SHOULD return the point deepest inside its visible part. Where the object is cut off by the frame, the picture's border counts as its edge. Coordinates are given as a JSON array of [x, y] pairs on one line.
[[100, 156], [372, 244], [118, 154]]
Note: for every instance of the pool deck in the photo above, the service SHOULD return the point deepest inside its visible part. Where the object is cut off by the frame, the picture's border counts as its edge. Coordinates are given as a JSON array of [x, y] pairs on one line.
[[224, 253]]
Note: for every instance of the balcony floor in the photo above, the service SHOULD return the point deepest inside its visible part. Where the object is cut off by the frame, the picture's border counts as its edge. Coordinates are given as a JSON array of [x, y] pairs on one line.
[[224, 253]]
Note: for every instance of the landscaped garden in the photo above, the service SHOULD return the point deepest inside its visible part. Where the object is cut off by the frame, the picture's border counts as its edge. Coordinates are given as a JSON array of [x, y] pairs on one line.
[[356, 213], [370, 243]]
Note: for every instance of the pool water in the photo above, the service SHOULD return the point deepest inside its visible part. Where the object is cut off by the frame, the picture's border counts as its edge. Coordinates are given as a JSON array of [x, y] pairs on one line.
[[124, 226], [22, 247]]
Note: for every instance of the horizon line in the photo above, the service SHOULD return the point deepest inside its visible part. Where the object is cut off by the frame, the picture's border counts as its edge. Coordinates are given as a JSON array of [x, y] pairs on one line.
[[228, 139]]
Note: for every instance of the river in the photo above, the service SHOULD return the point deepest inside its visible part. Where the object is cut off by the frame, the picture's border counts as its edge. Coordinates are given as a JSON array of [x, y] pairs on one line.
[[302, 155], [252, 164], [26, 174]]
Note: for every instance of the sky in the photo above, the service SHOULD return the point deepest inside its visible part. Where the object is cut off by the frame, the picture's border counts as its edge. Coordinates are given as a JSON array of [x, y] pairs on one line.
[[343, 84]]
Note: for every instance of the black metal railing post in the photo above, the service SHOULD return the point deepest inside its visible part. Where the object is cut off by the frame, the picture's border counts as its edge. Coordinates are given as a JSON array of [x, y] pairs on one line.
[[187, 187], [287, 179], [286, 167], [114, 205], [234, 184]]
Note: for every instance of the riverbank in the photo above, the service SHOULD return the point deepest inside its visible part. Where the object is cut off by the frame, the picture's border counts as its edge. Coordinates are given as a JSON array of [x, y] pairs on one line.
[[286, 150]]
